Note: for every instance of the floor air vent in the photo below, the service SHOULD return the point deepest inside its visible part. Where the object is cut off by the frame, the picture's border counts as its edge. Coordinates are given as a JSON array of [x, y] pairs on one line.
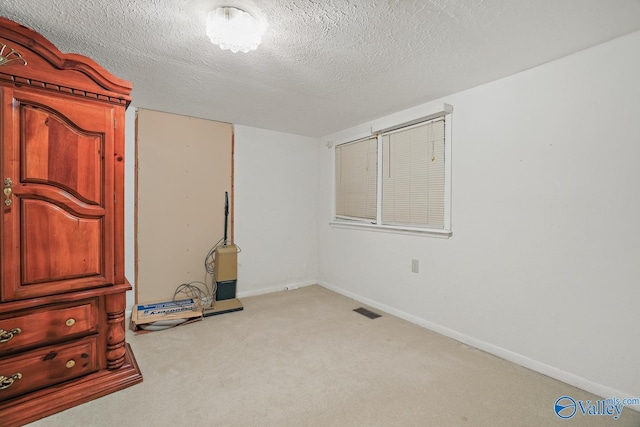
[[367, 313]]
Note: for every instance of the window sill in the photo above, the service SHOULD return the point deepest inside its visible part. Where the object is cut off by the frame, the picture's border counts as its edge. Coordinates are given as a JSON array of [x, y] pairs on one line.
[[430, 232]]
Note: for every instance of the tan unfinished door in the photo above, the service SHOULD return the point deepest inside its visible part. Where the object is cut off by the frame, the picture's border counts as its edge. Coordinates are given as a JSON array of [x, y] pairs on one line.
[[184, 167]]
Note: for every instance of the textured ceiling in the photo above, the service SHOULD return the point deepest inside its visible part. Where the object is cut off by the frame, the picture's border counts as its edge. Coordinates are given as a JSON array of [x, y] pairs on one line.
[[324, 65]]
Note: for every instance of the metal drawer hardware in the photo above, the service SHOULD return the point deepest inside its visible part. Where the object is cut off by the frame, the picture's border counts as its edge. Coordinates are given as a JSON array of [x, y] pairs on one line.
[[6, 382], [7, 335], [71, 363], [70, 322], [7, 191]]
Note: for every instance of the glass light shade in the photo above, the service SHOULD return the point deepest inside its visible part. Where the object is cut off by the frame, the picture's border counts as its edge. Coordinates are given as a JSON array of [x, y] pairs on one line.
[[233, 29]]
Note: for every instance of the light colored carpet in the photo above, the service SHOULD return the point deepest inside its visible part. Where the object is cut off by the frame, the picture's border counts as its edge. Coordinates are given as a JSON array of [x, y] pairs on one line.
[[304, 358]]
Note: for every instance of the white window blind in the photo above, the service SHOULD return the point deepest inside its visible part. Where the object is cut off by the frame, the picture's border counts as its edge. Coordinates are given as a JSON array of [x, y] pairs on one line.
[[413, 176], [356, 180]]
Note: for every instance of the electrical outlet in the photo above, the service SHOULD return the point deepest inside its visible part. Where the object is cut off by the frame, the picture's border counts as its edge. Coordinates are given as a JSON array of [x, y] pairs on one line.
[[415, 266]]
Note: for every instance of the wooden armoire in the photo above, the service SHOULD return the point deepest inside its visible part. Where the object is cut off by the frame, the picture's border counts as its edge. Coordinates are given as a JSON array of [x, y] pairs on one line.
[[62, 289]]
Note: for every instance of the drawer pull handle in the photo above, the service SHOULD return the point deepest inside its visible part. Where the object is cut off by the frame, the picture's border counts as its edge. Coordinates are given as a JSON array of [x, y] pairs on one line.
[[70, 322], [71, 363], [6, 382], [7, 335]]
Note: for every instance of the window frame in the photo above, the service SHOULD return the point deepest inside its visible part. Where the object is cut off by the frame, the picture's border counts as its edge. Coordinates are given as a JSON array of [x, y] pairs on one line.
[[385, 128]]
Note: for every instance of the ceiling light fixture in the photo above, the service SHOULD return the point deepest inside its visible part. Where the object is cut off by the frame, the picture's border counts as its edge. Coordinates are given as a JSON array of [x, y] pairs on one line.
[[234, 29]]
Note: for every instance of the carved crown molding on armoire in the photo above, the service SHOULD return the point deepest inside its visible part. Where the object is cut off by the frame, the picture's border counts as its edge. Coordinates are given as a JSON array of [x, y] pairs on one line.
[[62, 283]]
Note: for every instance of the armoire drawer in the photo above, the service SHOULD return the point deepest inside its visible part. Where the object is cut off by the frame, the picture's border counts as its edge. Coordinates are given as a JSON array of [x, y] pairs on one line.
[[47, 366], [47, 325]]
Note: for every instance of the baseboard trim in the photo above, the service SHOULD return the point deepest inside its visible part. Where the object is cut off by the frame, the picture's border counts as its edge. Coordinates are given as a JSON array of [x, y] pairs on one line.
[[283, 287], [550, 371]]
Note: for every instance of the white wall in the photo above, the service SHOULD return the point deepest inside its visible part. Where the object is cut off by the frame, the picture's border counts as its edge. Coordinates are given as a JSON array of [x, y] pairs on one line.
[[544, 264], [275, 209]]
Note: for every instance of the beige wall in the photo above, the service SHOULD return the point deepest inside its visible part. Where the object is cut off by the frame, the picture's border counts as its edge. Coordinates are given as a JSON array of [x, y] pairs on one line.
[[184, 166]]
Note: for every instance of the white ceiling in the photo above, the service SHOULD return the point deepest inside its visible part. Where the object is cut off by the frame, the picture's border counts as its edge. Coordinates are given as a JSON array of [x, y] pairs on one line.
[[324, 65]]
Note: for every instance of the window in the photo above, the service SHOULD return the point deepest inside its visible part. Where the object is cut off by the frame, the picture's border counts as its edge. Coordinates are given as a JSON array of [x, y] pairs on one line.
[[397, 179], [356, 180]]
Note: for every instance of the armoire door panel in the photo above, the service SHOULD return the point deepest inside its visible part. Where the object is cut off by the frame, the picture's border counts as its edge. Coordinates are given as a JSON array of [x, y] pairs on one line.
[[58, 245], [58, 230], [58, 153]]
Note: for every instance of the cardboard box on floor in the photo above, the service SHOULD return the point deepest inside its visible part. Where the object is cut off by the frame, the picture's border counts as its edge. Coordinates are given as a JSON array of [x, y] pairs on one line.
[[164, 314]]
